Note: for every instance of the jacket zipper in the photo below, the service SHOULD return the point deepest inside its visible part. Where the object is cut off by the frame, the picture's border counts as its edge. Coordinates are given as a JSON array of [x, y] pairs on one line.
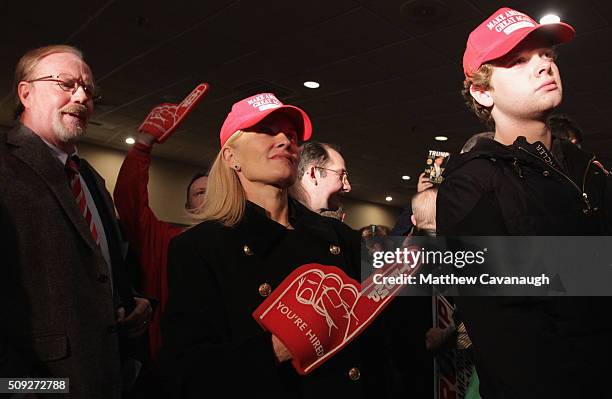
[[582, 192], [586, 171]]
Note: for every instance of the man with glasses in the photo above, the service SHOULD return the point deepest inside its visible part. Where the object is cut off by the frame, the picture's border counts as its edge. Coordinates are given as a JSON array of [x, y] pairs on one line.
[[64, 289], [322, 179]]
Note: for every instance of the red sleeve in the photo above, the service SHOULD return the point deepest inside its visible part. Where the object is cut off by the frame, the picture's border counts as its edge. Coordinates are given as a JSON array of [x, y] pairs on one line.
[[148, 237]]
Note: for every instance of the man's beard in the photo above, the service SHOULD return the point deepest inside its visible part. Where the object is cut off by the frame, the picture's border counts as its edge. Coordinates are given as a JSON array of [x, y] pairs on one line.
[[71, 133]]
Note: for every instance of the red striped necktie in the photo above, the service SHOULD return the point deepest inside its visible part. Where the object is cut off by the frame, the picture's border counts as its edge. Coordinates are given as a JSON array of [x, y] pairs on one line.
[[72, 169]]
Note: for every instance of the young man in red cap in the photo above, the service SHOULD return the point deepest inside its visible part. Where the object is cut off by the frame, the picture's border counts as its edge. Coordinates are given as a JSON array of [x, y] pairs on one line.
[[525, 183]]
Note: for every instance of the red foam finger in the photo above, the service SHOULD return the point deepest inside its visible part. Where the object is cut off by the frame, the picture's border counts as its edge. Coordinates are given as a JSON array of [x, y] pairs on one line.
[[184, 108], [164, 119], [318, 309]]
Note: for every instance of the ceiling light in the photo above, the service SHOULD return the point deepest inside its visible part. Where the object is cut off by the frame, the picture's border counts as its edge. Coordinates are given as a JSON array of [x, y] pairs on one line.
[[550, 19], [441, 138], [388, 199], [312, 85], [130, 140], [405, 177]]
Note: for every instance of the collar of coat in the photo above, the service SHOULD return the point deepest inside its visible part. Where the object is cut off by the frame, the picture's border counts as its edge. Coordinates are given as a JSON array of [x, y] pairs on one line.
[[26, 145], [262, 233], [564, 153]]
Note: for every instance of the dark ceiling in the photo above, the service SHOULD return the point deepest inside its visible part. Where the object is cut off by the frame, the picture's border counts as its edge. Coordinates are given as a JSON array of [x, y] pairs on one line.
[[390, 70]]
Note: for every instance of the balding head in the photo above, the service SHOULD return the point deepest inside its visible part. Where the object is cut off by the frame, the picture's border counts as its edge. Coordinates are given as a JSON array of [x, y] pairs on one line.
[[322, 177], [424, 209]]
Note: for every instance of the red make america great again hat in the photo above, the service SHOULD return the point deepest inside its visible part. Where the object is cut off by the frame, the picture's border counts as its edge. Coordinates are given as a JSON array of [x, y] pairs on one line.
[[251, 110], [502, 32]]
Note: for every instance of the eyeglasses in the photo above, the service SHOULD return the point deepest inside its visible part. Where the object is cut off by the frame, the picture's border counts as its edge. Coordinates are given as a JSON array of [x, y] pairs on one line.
[[69, 83], [343, 174]]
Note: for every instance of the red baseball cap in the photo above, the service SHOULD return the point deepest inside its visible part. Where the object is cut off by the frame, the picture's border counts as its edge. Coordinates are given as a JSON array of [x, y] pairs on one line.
[[502, 32], [250, 111]]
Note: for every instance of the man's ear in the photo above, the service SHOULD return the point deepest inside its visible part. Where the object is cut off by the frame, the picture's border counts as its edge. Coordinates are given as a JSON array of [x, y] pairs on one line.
[[413, 220], [312, 174], [23, 91], [482, 97]]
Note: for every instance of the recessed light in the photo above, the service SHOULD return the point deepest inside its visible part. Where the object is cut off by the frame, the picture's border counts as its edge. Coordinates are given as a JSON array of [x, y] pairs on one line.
[[441, 138], [550, 19], [388, 199], [312, 85], [130, 140], [405, 177]]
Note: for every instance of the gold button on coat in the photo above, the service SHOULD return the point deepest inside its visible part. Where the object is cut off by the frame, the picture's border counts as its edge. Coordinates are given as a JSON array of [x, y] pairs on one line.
[[265, 289], [354, 373], [334, 249], [247, 251]]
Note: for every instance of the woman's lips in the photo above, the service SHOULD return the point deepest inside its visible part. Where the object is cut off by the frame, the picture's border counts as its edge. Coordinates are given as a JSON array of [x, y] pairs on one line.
[[285, 157]]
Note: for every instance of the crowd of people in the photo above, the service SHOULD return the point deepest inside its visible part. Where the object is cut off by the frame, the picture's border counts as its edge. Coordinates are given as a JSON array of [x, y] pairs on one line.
[[270, 202]]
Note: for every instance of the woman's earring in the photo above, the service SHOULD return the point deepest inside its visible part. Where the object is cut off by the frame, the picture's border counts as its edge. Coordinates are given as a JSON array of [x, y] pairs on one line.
[[237, 168]]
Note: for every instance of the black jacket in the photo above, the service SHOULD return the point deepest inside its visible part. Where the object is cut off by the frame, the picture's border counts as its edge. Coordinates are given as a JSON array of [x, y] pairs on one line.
[[530, 347], [403, 225], [522, 189], [210, 339]]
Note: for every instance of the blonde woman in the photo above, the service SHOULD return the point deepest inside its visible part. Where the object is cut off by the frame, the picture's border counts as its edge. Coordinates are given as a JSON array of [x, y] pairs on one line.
[[252, 235]]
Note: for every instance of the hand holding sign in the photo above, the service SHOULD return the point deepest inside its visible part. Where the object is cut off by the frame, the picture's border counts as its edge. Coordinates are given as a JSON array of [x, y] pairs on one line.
[[164, 119], [317, 310]]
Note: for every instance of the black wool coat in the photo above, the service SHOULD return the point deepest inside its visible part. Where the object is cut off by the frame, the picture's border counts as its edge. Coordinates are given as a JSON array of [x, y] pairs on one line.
[[531, 347], [216, 279]]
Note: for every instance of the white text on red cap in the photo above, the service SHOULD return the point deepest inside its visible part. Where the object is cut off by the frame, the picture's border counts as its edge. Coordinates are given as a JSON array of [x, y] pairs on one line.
[[510, 21], [264, 102]]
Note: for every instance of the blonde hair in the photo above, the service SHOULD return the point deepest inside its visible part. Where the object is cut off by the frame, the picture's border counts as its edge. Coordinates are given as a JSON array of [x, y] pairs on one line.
[[424, 208], [225, 199], [481, 80], [28, 63]]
